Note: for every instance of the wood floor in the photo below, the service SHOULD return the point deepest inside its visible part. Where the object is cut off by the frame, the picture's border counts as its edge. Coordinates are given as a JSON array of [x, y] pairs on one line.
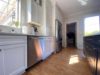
[[67, 62]]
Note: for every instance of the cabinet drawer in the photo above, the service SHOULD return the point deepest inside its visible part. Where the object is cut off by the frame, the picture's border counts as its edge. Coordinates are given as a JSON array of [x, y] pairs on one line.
[[10, 40]]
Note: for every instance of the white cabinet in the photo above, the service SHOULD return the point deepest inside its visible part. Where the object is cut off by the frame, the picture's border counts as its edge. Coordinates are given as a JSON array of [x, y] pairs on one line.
[[36, 11], [13, 55], [40, 14], [1, 63], [50, 18], [14, 59], [48, 46]]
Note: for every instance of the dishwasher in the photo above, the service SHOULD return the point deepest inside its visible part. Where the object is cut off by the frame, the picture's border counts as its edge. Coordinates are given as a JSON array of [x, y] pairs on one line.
[[34, 51]]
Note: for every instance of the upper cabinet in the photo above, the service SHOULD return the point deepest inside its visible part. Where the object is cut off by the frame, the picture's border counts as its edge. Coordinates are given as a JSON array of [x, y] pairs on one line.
[[41, 13], [35, 12], [50, 17]]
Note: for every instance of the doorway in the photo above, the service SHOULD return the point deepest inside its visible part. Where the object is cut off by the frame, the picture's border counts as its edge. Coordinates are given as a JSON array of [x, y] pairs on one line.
[[71, 35]]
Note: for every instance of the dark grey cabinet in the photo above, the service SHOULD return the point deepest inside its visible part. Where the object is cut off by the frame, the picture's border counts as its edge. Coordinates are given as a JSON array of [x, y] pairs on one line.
[[98, 63], [91, 55], [92, 52]]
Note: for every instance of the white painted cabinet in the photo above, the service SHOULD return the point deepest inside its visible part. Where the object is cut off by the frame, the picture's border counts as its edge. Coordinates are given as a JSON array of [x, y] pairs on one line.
[[40, 14], [48, 46], [14, 59], [13, 55], [50, 18], [37, 11], [34, 11], [1, 63]]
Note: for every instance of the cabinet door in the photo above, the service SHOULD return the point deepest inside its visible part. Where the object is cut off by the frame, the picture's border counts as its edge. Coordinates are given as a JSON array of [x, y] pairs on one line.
[[53, 44], [14, 59], [1, 63], [98, 65], [40, 14], [49, 17], [48, 50], [92, 57], [34, 11]]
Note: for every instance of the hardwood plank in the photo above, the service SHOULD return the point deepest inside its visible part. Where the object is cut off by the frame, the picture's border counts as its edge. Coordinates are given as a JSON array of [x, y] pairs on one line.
[[67, 62]]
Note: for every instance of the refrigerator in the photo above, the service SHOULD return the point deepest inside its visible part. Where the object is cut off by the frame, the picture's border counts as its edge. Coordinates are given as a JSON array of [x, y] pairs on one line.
[[58, 36]]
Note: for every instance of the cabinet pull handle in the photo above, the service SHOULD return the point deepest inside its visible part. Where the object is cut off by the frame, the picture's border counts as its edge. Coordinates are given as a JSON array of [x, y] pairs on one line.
[[0, 50]]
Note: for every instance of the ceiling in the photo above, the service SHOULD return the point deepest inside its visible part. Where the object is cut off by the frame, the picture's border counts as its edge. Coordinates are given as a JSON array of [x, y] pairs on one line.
[[74, 6]]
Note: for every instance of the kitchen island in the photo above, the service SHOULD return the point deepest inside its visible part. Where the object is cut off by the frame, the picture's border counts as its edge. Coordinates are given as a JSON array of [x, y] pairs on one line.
[[92, 52]]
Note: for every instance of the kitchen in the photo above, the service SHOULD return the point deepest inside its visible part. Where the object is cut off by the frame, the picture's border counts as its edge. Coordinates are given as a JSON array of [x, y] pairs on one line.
[[25, 41], [33, 34]]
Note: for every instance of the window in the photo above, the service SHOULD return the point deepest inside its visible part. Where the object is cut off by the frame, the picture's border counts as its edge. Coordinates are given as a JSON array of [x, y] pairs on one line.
[[92, 26], [9, 12]]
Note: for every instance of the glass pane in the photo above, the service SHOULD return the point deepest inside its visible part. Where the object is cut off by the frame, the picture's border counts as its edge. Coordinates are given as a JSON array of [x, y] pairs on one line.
[[5, 0], [3, 5], [8, 12], [92, 26]]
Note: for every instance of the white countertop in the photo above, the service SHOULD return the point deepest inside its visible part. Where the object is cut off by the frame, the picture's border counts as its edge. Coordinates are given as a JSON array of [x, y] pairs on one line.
[[21, 34]]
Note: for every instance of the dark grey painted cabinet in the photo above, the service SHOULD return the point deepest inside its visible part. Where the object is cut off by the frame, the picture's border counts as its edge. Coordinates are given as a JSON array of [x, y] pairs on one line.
[[98, 64], [92, 52]]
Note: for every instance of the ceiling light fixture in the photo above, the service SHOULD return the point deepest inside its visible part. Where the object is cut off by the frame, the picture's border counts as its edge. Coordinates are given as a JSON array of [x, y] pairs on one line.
[[83, 2]]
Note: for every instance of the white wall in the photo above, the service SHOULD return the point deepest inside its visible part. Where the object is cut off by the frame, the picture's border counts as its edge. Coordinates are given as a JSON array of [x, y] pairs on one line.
[[79, 18]]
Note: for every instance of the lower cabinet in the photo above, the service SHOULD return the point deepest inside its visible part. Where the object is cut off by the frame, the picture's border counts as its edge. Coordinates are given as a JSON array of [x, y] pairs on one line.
[[91, 55], [98, 64], [48, 46], [92, 59], [1, 63], [91, 51], [13, 57]]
